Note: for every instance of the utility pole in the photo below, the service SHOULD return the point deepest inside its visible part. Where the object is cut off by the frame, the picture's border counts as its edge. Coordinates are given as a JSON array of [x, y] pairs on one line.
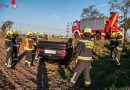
[[68, 30], [125, 28]]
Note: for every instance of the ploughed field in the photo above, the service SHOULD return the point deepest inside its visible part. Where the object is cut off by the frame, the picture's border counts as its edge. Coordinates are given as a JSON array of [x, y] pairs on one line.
[[41, 76], [105, 75]]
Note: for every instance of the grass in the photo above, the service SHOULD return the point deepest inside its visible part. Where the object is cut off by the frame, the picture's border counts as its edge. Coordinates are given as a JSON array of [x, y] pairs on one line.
[[109, 76], [105, 74]]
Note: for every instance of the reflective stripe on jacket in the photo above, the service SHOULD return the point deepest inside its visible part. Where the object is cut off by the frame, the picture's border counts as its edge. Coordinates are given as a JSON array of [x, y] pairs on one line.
[[84, 58], [85, 49], [8, 44]]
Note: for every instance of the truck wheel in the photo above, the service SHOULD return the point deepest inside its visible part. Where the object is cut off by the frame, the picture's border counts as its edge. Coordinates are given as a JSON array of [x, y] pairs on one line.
[[97, 36]]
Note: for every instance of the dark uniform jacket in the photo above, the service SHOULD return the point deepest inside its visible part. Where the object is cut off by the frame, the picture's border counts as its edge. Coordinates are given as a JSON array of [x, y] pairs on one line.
[[85, 49], [112, 43], [119, 44], [17, 40], [35, 40], [8, 44]]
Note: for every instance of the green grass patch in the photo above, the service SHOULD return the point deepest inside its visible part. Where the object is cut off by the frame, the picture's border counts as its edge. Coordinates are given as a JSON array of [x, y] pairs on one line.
[[105, 74]]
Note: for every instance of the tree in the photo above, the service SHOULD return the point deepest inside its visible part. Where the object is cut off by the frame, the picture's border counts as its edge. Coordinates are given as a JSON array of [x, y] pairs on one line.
[[91, 12], [128, 4], [6, 26], [123, 6], [126, 24]]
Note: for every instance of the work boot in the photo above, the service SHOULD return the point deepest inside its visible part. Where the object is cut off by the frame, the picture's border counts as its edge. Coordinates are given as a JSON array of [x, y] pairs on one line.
[[118, 63], [9, 66], [29, 64], [5, 64], [71, 85], [26, 63]]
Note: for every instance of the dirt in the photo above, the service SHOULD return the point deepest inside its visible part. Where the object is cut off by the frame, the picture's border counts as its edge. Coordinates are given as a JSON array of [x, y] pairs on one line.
[[41, 76]]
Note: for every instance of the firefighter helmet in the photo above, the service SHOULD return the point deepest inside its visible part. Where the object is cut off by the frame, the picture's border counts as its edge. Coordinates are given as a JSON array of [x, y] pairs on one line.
[[119, 33], [87, 30], [35, 33], [41, 34], [15, 32], [113, 34], [9, 33], [30, 33]]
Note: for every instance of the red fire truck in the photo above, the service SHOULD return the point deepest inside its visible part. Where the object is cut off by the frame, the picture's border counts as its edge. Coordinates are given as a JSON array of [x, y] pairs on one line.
[[101, 26]]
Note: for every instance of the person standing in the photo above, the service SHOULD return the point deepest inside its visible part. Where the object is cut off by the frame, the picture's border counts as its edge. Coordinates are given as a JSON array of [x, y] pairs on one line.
[[85, 52], [35, 36], [40, 37], [8, 48], [119, 47], [112, 45], [17, 41], [29, 48]]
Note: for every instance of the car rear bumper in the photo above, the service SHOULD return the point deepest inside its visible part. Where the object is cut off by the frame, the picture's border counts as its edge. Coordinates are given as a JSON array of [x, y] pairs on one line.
[[52, 56]]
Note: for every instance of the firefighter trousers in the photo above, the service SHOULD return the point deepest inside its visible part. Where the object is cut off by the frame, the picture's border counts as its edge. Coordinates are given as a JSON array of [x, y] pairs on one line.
[[112, 52], [9, 58], [82, 66], [118, 55], [29, 55], [15, 52]]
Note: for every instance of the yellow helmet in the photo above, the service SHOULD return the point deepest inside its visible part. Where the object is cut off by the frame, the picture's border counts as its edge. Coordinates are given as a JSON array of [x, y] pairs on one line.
[[15, 31], [87, 30], [113, 34], [119, 33], [30, 33], [9, 33]]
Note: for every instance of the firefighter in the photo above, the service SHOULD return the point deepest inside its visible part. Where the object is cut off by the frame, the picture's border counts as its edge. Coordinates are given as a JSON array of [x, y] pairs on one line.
[[17, 41], [29, 47], [8, 48], [112, 45], [35, 36], [119, 46], [84, 50], [40, 37]]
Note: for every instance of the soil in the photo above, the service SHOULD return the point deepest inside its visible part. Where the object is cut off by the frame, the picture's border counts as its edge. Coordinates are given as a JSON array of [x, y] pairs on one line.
[[41, 76]]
